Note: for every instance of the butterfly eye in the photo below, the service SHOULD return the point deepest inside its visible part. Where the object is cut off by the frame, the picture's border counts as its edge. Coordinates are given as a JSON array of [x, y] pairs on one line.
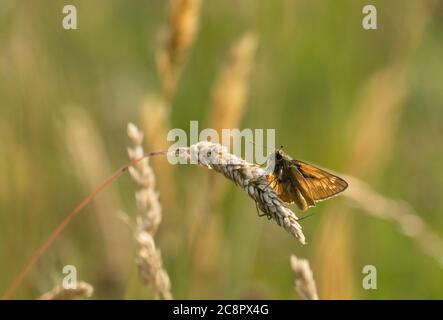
[[278, 156]]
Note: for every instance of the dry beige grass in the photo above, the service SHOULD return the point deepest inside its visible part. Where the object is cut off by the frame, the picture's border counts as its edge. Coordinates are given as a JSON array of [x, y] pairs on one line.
[[148, 257], [304, 279], [251, 177], [150, 265], [83, 290], [146, 197]]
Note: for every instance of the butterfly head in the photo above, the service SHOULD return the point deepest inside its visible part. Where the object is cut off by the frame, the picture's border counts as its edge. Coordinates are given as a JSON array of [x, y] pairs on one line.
[[277, 160], [279, 154]]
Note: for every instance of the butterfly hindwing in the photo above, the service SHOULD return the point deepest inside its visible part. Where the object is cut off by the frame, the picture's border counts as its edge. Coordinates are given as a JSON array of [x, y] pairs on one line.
[[295, 189], [279, 189]]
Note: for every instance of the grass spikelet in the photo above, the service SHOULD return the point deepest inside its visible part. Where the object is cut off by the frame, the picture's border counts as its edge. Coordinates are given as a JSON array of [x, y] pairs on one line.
[[178, 36], [304, 280], [82, 290], [148, 259], [231, 87], [150, 265], [249, 176]]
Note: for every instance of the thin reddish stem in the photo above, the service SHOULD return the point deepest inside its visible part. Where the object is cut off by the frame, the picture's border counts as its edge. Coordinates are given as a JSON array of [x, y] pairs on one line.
[[53, 236]]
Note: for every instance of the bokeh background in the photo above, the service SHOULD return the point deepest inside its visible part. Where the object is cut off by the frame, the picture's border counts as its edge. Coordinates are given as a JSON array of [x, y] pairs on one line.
[[364, 103]]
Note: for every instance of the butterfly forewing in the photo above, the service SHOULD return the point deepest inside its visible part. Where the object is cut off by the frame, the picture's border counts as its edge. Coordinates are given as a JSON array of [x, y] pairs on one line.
[[322, 185]]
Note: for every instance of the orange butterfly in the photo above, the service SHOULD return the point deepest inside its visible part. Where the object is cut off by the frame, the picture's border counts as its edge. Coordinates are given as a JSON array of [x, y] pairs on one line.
[[302, 183]]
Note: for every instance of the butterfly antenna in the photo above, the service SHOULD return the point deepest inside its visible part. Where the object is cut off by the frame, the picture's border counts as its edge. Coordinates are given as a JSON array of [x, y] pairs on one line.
[[302, 218]]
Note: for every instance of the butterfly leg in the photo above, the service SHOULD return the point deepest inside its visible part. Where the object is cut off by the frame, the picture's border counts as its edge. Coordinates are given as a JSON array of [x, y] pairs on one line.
[[268, 185], [268, 215], [270, 182]]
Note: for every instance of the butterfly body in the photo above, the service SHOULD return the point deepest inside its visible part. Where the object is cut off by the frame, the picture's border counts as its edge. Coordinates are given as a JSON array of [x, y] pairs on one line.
[[301, 183]]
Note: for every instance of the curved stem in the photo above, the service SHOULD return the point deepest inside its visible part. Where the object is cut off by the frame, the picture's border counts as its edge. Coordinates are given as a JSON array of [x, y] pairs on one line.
[[54, 235]]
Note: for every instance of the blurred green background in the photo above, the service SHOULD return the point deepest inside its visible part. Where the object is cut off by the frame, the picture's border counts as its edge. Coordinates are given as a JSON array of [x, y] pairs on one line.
[[366, 103]]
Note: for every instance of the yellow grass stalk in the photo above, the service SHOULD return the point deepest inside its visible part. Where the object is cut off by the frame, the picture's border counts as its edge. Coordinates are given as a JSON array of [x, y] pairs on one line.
[[230, 90], [178, 37]]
